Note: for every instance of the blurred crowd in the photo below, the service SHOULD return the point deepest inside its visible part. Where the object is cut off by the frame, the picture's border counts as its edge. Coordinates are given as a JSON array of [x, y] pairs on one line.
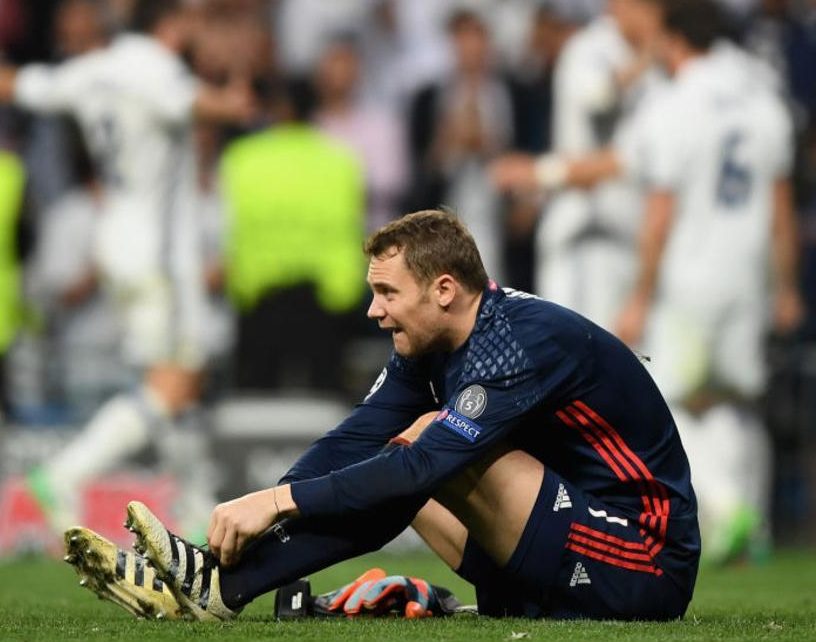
[[420, 96]]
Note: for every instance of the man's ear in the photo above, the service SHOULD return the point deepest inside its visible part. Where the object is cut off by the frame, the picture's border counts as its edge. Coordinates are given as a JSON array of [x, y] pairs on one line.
[[444, 290]]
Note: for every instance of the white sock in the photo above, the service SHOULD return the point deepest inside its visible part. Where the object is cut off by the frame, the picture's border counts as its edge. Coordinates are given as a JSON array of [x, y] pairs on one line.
[[756, 466], [120, 428], [713, 463]]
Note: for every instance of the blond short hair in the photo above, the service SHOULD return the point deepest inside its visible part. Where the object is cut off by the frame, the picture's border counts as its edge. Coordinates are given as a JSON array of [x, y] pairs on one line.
[[432, 242]]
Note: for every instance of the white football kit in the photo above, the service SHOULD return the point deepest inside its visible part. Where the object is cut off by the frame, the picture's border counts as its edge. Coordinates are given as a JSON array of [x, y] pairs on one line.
[[586, 243], [133, 102], [718, 138]]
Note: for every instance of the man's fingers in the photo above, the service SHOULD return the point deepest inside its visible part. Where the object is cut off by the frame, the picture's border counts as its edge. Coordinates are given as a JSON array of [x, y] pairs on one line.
[[241, 542], [498, 171], [211, 528], [229, 547], [215, 538]]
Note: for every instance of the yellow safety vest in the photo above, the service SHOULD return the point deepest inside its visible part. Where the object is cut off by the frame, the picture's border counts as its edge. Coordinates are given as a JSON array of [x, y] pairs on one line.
[[295, 202], [12, 182]]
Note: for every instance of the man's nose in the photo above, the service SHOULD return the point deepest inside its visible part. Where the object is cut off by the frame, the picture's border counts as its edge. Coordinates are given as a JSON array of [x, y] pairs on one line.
[[375, 310]]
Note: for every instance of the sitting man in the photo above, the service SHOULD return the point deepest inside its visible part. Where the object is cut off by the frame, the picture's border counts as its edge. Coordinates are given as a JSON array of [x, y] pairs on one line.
[[545, 467]]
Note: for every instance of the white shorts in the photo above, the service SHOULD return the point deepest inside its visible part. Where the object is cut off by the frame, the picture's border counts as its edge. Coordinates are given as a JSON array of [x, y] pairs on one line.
[[718, 345], [151, 261], [162, 321]]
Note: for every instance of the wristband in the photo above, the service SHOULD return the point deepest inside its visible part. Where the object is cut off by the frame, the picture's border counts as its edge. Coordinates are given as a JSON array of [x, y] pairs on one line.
[[275, 499], [551, 171]]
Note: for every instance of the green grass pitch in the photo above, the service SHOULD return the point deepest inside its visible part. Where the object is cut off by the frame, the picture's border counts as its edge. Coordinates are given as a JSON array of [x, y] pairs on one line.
[[40, 600]]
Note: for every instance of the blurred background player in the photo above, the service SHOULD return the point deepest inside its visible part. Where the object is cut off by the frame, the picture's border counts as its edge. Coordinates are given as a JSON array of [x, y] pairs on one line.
[[135, 103], [713, 151], [586, 242]]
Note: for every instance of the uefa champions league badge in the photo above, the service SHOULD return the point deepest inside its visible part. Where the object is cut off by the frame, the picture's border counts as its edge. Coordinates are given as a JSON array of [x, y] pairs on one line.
[[470, 404], [472, 401]]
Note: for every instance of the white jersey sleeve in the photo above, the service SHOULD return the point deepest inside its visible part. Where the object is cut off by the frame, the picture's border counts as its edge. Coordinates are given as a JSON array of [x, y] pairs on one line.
[[52, 88], [162, 86]]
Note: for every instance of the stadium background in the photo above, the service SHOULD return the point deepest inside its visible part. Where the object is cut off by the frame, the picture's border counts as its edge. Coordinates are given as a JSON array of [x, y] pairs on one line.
[[64, 359]]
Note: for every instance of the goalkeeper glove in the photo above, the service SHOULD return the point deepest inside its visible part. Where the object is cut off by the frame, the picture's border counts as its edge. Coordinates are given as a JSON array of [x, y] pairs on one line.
[[374, 593]]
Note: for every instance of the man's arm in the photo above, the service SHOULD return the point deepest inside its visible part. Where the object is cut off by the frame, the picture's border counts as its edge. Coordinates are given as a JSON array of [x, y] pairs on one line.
[[362, 435], [658, 219], [399, 395], [788, 305], [550, 172], [591, 169], [8, 78], [452, 441], [232, 103]]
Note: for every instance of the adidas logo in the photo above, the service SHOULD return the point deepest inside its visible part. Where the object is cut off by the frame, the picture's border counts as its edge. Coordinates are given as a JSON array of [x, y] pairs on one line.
[[562, 500], [579, 575], [283, 536]]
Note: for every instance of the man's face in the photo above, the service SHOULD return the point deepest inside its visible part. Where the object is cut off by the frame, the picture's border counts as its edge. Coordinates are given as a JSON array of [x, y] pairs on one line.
[[78, 28], [338, 72], [637, 20], [403, 306], [471, 45]]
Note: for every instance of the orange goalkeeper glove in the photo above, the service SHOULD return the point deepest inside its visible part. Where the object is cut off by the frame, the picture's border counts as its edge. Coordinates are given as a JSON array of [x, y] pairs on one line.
[[374, 593]]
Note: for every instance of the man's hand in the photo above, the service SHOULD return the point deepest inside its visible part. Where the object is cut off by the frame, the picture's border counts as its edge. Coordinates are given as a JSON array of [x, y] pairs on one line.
[[8, 80], [632, 320], [232, 103], [235, 523], [789, 310], [514, 173]]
